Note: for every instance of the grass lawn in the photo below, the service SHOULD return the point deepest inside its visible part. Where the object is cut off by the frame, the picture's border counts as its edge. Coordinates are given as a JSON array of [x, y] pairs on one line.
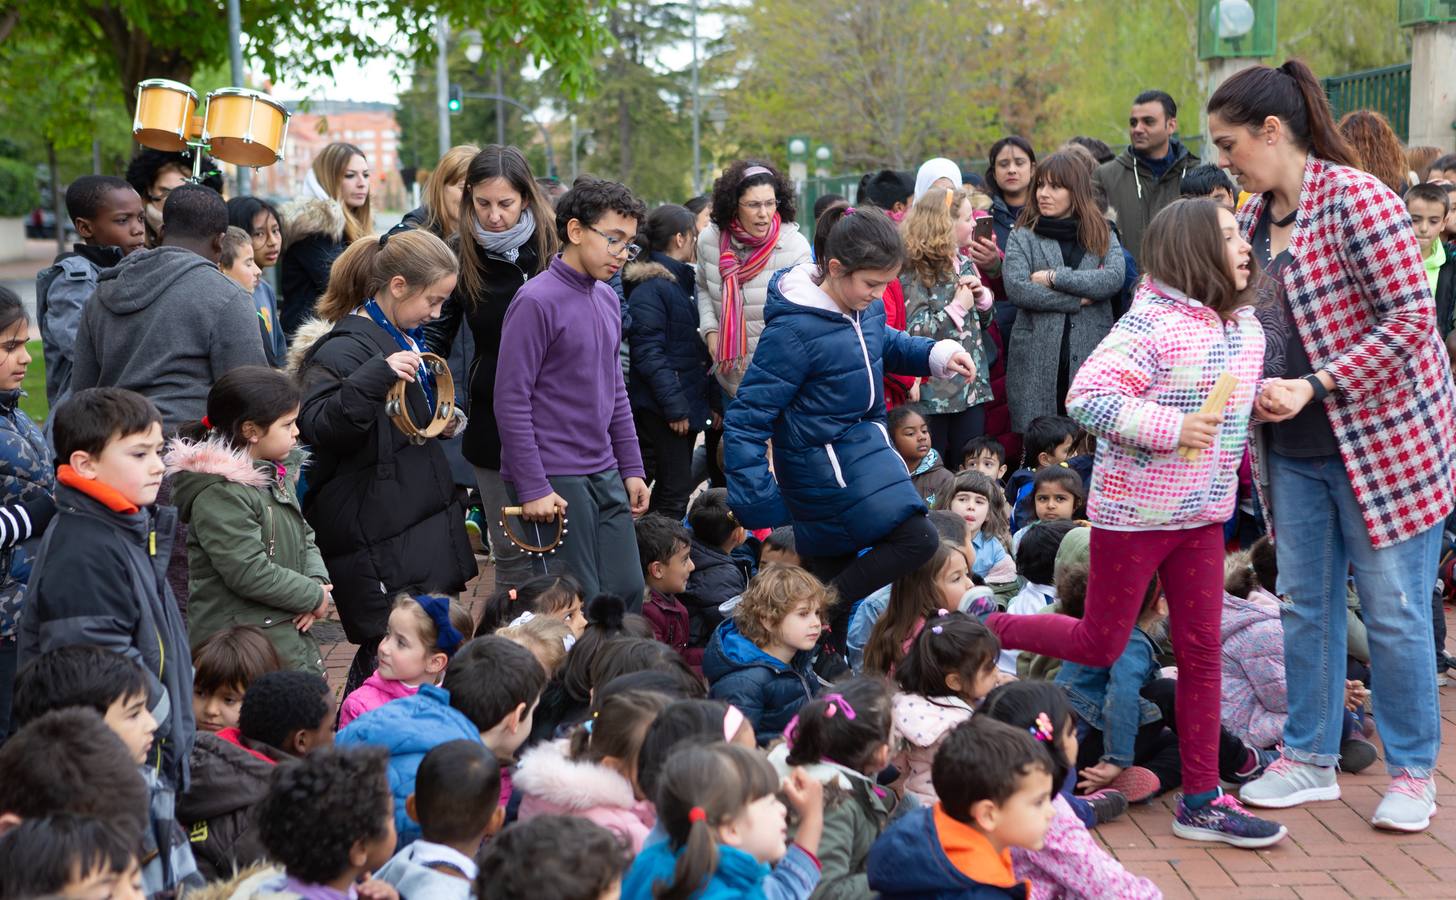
[[34, 401]]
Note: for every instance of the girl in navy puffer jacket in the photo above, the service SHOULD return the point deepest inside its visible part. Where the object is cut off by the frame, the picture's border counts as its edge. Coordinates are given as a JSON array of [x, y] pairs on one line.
[[815, 388]]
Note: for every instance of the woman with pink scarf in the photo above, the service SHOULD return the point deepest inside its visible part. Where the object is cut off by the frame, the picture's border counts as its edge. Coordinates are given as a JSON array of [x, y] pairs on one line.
[[751, 235]]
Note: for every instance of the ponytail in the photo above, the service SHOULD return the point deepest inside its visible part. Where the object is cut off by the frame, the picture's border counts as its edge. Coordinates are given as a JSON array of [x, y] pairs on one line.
[[370, 263], [846, 726], [860, 237], [662, 225], [1293, 94]]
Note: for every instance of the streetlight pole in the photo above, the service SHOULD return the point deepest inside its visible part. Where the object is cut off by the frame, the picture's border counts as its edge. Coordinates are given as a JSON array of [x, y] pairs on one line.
[[530, 117], [500, 108], [697, 118], [442, 82], [235, 66]]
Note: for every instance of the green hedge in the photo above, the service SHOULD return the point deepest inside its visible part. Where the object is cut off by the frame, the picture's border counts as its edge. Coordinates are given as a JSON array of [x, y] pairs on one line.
[[18, 192]]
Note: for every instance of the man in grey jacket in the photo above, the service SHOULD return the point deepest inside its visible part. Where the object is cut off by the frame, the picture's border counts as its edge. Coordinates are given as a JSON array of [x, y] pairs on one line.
[[165, 322], [1148, 175]]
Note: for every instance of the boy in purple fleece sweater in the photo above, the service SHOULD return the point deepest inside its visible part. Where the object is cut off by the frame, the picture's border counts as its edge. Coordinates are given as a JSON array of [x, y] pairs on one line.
[[567, 439]]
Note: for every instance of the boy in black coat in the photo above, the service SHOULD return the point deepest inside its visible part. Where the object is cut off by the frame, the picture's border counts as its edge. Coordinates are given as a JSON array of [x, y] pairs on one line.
[[716, 577]]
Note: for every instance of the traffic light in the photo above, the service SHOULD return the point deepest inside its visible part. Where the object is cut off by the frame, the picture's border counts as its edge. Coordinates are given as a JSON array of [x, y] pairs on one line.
[[454, 102]]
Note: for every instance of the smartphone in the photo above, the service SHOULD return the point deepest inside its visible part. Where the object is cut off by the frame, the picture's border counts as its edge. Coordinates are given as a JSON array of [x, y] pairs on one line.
[[983, 229]]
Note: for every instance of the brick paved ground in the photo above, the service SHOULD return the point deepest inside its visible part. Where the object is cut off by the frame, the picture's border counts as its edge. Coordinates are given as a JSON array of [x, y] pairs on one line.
[[1331, 850]]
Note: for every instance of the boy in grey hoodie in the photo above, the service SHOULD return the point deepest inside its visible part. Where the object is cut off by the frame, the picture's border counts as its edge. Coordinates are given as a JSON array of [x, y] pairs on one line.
[[167, 323]]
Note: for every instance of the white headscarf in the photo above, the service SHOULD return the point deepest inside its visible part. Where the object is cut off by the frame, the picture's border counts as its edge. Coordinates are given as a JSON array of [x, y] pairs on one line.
[[932, 170]]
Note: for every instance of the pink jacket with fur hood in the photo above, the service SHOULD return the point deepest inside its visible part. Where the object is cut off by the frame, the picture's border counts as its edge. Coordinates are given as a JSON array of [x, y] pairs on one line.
[[918, 725], [372, 694], [552, 784]]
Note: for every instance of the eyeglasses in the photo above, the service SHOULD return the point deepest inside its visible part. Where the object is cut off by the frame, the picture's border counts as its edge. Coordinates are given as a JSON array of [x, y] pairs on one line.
[[761, 206], [616, 245]]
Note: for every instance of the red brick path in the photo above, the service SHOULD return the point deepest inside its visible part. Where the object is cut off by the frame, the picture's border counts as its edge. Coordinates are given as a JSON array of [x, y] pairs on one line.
[[1331, 851]]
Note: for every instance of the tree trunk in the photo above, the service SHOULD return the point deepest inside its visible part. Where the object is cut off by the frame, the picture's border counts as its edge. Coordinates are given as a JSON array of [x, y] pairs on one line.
[[136, 59]]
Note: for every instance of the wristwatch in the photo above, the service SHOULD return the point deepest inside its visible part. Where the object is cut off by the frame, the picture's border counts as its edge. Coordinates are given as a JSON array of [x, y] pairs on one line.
[[1320, 392]]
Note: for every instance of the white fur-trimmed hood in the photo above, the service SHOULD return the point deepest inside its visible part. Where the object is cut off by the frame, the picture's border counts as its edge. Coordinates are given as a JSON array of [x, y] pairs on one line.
[[546, 773], [309, 216], [303, 340]]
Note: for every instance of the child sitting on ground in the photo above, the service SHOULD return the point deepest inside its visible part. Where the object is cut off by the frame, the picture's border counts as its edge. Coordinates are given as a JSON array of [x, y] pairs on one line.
[[456, 801], [665, 548], [1255, 696], [566, 700], [1036, 560], [1071, 863], [842, 741], [759, 660], [327, 821], [1058, 495], [716, 577], [939, 584], [222, 668], [995, 788], [1048, 442], [548, 639], [64, 855], [284, 715], [424, 631], [725, 827], [984, 454], [911, 435], [95, 579], [116, 688], [561, 857], [595, 776], [779, 548], [553, 595], [978, 498], [236, 259], [251, 556], [951, 666], [489, 693]]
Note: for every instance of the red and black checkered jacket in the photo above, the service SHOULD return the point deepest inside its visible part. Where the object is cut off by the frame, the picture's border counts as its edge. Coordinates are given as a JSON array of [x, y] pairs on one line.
[[1363, 307]]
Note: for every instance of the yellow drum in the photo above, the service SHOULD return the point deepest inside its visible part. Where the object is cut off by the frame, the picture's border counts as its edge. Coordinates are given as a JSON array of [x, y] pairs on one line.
[[244, 127], [163, 112]]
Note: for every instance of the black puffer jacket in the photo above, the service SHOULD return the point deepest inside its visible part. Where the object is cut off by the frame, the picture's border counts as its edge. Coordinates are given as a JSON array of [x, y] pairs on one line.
[[313, 231], [484, 314], [385, 511], [669, 371], [228, 780]]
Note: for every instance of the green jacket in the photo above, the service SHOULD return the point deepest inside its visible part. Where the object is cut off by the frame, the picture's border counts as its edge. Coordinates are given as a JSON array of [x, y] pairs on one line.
[[1136, 194], [250, 553]]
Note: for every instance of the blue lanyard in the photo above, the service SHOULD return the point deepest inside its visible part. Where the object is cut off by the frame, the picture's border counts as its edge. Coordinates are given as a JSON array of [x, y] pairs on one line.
[[413, 340]]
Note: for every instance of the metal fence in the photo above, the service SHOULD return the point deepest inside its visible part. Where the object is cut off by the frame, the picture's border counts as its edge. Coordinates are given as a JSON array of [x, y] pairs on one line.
[[1385, 90]]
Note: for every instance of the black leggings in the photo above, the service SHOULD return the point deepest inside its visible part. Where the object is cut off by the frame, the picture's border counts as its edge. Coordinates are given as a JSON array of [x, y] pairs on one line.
[[950, 432], [906, 548]]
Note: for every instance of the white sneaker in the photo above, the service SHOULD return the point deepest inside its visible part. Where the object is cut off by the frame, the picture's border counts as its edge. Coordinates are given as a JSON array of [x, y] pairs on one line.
[[1288, 783], [1408, 804]]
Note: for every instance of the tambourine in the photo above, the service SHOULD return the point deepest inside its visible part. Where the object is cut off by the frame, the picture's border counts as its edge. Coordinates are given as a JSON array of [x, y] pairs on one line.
[[539, 548], [397, 408]]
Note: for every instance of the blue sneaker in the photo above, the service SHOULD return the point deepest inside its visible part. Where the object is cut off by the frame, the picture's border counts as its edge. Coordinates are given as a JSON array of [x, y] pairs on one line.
[[1262, 761], [1224, 819]]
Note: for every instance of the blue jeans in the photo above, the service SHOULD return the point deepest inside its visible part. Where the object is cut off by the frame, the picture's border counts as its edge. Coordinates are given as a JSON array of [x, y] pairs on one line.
[[1321, 539]]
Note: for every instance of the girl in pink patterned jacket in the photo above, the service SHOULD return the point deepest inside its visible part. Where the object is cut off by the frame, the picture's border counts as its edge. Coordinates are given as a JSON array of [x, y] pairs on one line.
[[1155, 510]]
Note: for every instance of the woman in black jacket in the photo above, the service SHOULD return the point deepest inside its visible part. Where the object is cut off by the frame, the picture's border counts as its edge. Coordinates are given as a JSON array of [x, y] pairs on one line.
[[333, 212], [507, 234], [668, 380], [385, 511]]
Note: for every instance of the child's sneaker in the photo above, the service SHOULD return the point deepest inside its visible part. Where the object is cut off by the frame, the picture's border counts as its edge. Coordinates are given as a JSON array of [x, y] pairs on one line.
[[475, 528], [978, 604], [1356, 755], [1288, 783], [1107, 804], [1407, 806], [1223, 819], [1260, 760], [1136, 784]]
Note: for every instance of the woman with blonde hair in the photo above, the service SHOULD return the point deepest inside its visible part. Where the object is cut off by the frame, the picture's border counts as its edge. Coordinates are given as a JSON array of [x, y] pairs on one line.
[[440, 213], [384, 508], [333, 211]]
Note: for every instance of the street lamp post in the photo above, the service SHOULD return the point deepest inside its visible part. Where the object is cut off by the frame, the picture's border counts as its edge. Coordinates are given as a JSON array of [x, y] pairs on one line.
[[530, 117], [697, 118]]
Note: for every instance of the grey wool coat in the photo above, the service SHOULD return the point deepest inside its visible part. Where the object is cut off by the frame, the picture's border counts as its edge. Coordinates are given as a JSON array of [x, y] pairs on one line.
[[1036, 338]]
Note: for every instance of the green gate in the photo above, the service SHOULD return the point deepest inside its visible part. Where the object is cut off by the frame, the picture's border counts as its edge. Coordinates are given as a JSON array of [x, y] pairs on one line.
[[1385, 90]]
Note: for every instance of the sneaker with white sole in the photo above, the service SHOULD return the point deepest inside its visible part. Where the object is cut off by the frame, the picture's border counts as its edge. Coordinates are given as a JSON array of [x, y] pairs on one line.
[[1288, 783], [1408, 805], [1223, 819]]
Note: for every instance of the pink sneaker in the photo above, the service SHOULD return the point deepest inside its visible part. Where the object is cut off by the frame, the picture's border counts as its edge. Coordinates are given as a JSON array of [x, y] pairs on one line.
[[1136, 784]]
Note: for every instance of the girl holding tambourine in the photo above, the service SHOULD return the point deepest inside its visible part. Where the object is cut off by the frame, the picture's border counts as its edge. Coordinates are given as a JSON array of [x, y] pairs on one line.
[[382, 502]]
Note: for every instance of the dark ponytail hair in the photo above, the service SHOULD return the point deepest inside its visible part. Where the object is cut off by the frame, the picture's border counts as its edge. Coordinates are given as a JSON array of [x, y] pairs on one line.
[[952, 644], [846, 725], [616, 728], [1021, 703], [860, 237], [663, 224], [1293, 94], [544, 595], [701, 788], [254, 394]]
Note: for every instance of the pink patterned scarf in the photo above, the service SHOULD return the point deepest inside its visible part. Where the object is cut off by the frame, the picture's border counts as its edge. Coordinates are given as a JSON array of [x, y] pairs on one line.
[[733, 333]]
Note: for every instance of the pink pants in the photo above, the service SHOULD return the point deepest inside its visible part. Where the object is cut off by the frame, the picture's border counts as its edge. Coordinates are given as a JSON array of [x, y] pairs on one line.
[[1190, 562]]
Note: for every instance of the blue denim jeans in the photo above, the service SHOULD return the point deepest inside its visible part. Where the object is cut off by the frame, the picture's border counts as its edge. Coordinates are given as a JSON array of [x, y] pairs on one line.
[[1321, 539]]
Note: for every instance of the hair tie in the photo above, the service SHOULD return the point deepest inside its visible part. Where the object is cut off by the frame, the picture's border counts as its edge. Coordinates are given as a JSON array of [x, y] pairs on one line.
[[511, 594], [697, 814], [587, 725], [438, 609], [1042, 730], [207, 423], [732, 721], [835, 703], [937, 630], [790, 731], [942, 612], [848, 211], [949, 198], [756, 170]]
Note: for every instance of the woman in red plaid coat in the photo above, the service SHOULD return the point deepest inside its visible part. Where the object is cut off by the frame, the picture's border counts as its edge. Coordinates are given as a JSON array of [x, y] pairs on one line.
[[1356, 450]]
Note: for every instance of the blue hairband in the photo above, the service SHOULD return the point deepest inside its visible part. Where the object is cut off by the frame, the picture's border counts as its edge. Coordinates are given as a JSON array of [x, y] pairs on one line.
[[438, 609]]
